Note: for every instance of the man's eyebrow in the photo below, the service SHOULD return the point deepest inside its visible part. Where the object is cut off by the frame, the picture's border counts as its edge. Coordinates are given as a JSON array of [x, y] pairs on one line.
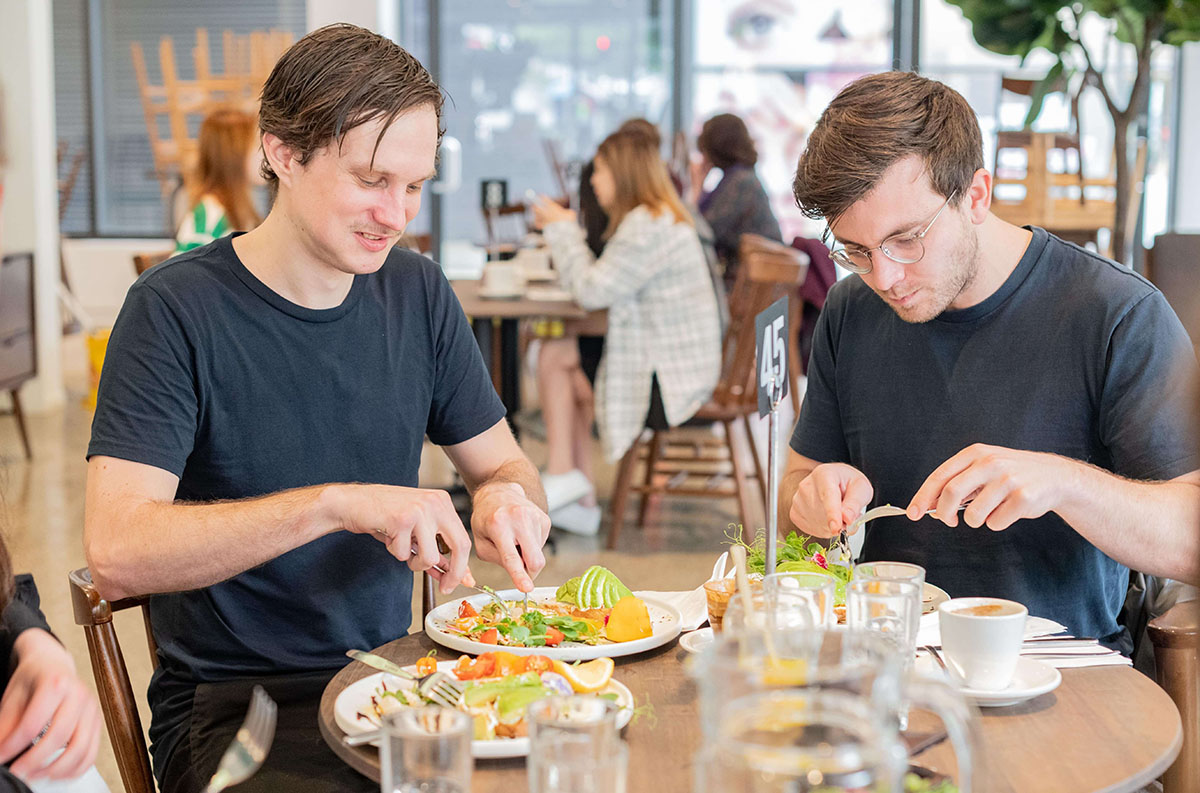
[[366, 169], [903, 227]]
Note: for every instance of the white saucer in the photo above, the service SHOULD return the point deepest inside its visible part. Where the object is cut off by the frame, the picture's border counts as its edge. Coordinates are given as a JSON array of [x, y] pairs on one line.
[[1031, 679], [488, 294], [695, 641]]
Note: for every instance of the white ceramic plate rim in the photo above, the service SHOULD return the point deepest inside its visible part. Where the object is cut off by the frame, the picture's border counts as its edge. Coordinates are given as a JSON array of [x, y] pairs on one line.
[[344, 710], [1039, 676], [665, 626], [695, 641]]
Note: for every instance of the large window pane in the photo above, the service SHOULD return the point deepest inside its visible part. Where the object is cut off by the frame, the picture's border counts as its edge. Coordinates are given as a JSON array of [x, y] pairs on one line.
[[777, 64]]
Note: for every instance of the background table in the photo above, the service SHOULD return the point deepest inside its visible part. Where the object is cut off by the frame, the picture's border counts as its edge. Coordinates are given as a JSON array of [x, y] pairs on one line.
[[1104, 729], [502, 353]]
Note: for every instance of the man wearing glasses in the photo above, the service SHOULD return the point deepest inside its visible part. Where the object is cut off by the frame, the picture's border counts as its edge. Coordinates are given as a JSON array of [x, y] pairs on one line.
[[975, 362]]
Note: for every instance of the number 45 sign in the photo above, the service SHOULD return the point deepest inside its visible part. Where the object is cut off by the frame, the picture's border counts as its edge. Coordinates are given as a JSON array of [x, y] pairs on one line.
[[771, 327]]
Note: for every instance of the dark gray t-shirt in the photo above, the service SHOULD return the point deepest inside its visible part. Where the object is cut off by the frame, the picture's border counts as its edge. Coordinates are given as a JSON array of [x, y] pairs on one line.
[[1073, 355], [212, 376]]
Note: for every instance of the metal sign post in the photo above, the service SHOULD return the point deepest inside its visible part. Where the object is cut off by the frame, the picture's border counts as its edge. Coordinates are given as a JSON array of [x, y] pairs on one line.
[[771, 327]]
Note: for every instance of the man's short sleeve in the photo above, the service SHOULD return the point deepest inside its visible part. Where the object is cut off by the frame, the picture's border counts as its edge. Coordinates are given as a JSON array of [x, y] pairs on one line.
[[464, 401], [1147, 407], [147, 407], [818, 434]]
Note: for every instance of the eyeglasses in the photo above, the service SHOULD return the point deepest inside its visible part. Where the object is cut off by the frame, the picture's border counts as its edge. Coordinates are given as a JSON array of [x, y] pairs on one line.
[[902, 248]]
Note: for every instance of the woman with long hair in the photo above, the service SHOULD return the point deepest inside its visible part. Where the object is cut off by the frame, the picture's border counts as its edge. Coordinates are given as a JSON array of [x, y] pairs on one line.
[[661, 358], [220, 187], [738, 204]]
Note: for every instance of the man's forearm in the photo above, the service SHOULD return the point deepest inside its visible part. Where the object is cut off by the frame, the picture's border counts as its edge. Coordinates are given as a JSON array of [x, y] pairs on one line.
[[154, 547], [520, 472], [1152, 527]]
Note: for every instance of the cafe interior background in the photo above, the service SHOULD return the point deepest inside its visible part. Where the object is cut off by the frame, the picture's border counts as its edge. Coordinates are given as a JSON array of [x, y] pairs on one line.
[[534, 86]]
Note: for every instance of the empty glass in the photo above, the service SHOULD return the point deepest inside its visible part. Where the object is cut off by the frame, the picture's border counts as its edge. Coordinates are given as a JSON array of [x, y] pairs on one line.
[[888, 606], [904, 571], [574, 746], [426, 750], [812, 591]]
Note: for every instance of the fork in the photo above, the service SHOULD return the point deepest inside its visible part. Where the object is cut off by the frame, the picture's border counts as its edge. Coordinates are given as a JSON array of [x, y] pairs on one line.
[[249, 747], [437, 687]]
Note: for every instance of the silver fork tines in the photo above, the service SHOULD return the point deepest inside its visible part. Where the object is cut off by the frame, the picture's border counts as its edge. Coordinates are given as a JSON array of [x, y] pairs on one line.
[[249, 747], [441, 689]]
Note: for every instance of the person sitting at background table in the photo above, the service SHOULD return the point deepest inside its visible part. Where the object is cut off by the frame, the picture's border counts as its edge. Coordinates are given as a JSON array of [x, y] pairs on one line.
[[661, 357], [973, 363], [738, 204], [220, 186], [253, 465]]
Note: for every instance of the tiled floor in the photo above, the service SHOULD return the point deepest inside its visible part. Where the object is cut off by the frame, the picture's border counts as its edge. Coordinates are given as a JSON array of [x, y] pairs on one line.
[[41, 513]]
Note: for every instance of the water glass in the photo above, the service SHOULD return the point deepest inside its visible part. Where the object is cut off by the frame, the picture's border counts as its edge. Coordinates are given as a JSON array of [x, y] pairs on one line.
[[426, 750], [888, 606], [813, 592], [574, 746], [903, 571]]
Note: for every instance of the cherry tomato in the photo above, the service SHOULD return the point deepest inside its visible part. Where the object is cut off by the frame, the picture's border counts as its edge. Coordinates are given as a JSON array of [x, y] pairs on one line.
[[553, 636], [490, 636], [538, 663], [426, 665], [468, 669], [508, 663], [466, 610]]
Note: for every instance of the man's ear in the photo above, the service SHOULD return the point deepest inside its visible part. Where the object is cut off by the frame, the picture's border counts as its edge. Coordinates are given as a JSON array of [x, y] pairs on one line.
[[979, 196], [281, 157]]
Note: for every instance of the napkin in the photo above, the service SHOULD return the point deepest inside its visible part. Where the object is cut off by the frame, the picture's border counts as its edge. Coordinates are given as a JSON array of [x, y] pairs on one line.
[[1090, 655], [692, 605]]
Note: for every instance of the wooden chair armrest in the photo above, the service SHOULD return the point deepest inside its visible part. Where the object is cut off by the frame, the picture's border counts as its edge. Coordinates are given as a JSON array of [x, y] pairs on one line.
[[1179, 627]]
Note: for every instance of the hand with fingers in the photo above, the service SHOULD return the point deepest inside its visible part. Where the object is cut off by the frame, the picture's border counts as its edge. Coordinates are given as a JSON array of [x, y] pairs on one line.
[[47, 708], [1003, 486], [415, 524], [829, 499], [547, 211], [510, 531]]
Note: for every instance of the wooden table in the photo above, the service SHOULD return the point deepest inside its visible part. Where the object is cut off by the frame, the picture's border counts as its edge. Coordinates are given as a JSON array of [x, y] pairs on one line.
[[502, 352], [1104, 729]]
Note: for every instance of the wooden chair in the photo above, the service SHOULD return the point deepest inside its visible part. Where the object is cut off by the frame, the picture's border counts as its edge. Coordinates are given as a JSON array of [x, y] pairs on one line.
[[506, 225], [769, 270], [144, 261], [1176, 639], [117, 700]]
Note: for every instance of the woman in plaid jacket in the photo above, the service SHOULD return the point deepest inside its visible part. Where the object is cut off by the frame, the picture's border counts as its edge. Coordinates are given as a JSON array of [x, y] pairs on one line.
[[662, 350]]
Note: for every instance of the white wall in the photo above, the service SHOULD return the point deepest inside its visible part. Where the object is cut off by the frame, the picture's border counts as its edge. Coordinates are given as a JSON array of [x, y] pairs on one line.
[[29, 221], [1187, 200]]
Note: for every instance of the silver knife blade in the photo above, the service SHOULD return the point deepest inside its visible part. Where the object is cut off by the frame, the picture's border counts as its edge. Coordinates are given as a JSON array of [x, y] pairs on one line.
[[380, 663]]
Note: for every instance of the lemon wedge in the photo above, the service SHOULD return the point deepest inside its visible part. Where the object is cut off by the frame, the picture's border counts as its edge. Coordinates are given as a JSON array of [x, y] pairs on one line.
[[586, 678]]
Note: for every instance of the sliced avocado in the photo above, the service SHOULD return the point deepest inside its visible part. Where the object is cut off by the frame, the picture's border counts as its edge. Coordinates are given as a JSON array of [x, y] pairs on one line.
[[515, 701]]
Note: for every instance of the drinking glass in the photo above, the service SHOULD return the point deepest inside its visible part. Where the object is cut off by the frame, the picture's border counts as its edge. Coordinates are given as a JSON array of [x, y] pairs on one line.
[[813, 592], [574, 746], [904, 571], [888, 606], [426, 750]]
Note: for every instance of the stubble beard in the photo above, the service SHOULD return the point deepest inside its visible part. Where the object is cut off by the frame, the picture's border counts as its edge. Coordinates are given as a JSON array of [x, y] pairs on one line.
[[962, 271]]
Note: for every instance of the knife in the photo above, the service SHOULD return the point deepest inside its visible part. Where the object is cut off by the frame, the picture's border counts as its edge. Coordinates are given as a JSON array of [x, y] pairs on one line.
[[380, 663]]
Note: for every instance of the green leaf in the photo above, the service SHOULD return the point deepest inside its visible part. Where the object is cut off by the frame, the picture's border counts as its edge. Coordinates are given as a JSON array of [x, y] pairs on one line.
[[1051, 83]]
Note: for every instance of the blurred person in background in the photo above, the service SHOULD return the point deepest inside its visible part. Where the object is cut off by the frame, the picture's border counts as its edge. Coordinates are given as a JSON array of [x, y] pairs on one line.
[[738, 204], [661, 358], [221, 187], [49, 719]]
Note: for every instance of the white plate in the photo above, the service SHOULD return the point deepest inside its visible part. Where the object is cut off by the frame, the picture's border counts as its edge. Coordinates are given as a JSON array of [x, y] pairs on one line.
[[695, 641], [488, 294], [1032, 679], [664, 624], [932, 597], [357, 697]]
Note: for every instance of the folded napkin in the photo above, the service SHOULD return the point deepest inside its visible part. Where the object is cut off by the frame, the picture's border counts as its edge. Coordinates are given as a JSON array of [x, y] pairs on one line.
[[692, 605], [1088, 655]]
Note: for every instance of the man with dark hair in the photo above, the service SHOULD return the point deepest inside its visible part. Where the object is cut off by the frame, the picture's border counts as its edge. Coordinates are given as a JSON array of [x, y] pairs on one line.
[[254, 454], [974, 363]]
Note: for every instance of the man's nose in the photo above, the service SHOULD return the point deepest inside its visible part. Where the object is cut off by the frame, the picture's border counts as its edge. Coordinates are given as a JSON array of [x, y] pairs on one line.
[[391, 211], [885, 272]]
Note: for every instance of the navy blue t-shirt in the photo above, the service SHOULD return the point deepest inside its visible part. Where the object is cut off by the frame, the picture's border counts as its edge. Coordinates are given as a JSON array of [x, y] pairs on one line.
[[214, 377], [1073, 355]]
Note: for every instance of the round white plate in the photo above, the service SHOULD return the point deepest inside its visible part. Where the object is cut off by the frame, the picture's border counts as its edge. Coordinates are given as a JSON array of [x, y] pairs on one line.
[[932, 597], [664, 622], [1032, 679], [695, 641], [488, 294], [356, 698]]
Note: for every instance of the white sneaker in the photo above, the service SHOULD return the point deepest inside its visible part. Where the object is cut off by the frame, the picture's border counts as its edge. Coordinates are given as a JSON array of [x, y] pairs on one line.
[[577, 519], [563, 489]]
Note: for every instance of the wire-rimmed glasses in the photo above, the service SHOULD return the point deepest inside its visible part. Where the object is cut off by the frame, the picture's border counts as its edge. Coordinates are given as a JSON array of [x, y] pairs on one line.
[[900, 248]]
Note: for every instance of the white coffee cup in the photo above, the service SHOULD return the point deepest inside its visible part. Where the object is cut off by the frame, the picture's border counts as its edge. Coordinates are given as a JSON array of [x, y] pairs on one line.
[[981, 640], [502, 278]]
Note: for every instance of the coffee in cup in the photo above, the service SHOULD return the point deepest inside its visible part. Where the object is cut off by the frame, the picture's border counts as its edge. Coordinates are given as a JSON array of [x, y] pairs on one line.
[[502, 279], [981, 640]]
